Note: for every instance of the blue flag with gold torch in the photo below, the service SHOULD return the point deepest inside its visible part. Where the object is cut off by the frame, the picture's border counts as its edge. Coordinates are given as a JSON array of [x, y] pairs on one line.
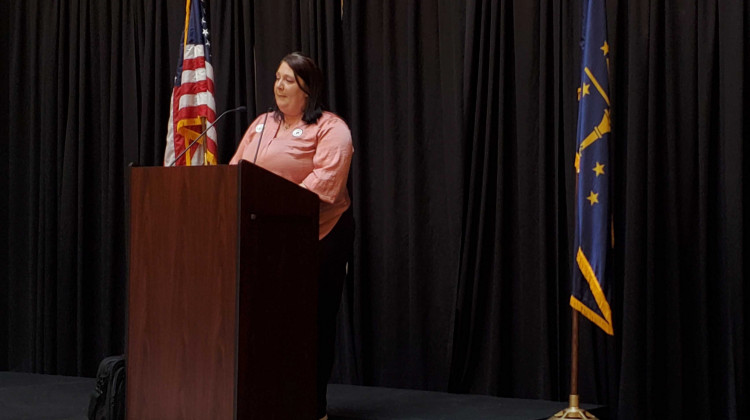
[[590, 289]]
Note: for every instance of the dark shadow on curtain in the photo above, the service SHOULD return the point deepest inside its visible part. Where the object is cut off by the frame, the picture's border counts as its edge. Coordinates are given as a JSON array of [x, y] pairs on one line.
[[514, 247], [402, 62], [681, 123]]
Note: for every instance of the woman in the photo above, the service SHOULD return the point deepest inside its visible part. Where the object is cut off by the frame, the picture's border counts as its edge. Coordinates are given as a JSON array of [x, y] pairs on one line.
[[312, 148]]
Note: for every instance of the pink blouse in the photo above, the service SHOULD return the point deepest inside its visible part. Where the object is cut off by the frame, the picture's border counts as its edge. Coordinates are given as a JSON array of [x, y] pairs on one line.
[[315, 155]]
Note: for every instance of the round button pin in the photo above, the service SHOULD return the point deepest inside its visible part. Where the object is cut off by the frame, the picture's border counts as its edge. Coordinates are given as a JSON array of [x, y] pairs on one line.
[[297, 132]]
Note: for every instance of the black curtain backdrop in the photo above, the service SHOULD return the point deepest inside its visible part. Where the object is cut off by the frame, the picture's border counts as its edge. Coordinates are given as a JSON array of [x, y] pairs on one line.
[[518, 78], [464, 118], [403, 61]]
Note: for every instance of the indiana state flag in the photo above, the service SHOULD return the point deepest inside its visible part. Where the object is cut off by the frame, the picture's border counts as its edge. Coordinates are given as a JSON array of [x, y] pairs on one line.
[[591, 291]]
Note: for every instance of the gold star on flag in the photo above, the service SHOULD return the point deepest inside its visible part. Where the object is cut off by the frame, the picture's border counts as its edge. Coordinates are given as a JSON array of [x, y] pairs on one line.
[[599, 169], [586, 88], [605, 48], [593, 198]]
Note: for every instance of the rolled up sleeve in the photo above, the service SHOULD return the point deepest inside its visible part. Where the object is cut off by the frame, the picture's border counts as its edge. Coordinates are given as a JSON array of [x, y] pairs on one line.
[[333, 156]]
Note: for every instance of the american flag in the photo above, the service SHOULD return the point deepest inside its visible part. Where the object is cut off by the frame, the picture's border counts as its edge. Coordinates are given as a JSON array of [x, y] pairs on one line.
[[192, 106], [591, 288]]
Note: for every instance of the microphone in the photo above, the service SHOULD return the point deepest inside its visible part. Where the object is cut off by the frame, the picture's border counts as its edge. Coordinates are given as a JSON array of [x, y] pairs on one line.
[[239, 108], [261, 134]]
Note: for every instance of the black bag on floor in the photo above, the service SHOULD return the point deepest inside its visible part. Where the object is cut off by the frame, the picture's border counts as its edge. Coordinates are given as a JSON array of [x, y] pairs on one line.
[[108, 399]]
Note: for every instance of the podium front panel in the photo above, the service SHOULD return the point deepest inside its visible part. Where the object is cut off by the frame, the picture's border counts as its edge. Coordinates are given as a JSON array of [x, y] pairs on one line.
[[182, 294], [222, 300]]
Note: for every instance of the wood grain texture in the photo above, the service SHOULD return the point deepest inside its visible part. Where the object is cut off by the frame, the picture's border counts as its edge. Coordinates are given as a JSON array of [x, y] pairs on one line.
[[182, 294], [222, 295]]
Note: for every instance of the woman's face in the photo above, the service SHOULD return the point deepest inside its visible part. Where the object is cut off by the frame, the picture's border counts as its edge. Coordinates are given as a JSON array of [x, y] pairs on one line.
[[290, 98]]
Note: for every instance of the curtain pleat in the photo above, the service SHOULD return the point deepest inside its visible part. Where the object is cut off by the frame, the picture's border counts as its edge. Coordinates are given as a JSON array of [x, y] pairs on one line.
[[463, 117]]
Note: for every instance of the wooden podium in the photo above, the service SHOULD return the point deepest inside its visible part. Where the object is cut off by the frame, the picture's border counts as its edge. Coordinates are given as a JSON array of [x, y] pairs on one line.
[[222, 295]]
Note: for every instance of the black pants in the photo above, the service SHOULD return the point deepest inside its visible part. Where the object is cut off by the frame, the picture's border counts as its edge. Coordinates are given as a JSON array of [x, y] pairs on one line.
[[334, 253]]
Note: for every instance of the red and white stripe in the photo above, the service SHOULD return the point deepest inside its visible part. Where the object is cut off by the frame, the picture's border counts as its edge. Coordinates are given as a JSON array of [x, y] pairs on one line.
[[192, 99]]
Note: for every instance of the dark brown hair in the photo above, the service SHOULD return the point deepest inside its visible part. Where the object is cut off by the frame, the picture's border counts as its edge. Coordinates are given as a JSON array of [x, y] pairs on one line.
[[310, 80]]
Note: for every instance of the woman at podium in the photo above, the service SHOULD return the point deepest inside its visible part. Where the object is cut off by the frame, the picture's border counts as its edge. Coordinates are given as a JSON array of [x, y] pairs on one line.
[[301, 142]]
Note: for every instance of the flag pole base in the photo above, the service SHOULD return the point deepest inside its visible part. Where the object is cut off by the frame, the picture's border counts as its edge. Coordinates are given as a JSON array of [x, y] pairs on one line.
[[573, 412]]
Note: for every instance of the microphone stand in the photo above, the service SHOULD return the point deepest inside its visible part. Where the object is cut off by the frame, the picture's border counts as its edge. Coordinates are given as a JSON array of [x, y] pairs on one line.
[[240, 108], [265, 120]]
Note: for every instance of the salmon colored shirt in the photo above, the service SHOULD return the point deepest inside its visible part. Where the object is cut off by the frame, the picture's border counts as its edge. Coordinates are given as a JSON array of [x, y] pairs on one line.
[[316, 155]]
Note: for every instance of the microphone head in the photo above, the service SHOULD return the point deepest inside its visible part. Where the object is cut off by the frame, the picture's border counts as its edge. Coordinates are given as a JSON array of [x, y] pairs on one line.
[[242, 108]]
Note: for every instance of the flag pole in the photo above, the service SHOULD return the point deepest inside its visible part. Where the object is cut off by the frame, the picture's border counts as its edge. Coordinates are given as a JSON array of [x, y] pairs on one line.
[[589, 289], [573, 411]]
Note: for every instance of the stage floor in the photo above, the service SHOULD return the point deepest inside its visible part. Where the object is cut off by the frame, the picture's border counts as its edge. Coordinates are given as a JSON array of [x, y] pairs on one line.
[[35, 397]]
